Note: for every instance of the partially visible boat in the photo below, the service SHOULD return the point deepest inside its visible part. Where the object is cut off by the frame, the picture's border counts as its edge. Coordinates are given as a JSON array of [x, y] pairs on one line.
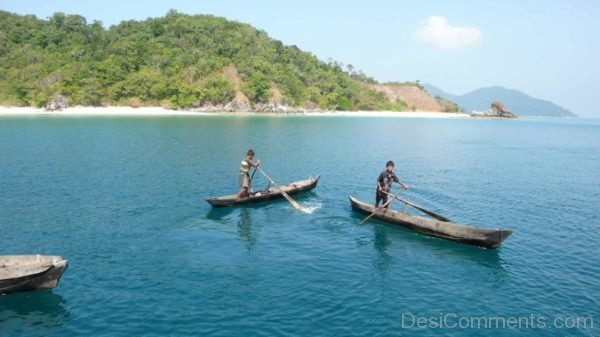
[[30, 272], [483, 237], [267, 194]]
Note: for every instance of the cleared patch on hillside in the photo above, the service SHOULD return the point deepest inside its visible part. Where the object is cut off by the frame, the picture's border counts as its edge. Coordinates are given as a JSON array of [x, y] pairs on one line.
[[415, 98], [231, 73]]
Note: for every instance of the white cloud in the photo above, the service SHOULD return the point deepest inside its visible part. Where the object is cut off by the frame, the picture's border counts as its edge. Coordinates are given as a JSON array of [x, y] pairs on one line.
[[438, 32]]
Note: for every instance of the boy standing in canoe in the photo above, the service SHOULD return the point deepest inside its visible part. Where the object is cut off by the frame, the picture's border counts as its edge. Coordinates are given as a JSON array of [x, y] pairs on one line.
[[245, 174], [384, 184]]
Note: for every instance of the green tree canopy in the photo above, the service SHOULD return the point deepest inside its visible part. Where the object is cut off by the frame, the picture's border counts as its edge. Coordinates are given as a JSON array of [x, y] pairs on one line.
[[177, 60]]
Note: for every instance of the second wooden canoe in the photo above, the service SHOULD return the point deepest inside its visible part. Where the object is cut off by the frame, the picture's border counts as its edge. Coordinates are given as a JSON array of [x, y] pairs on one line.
[[483, 237]]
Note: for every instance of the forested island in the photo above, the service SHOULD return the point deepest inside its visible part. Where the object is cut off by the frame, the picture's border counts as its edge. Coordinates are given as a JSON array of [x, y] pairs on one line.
[[182, 61]]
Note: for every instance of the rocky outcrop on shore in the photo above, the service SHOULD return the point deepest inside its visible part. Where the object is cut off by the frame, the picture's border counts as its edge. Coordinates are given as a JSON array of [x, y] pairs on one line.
[[241, 103], [237, 106], [57, 103], [497, 109]]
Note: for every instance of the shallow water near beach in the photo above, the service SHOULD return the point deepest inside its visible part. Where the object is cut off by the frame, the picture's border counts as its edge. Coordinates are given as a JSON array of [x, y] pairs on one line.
[[124, 200]]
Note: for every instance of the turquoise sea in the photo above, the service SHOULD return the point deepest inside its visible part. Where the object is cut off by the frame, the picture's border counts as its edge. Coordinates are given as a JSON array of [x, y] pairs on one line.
[[124, 200]]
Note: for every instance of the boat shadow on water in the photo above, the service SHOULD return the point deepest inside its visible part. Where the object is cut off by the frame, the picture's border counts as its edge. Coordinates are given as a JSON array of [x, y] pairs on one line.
[[245, 231], [220, 214], [20, 311], [242, 217]]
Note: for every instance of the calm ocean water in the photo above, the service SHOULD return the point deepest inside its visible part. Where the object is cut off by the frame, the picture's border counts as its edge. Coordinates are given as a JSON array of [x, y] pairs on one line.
[[123, 200]]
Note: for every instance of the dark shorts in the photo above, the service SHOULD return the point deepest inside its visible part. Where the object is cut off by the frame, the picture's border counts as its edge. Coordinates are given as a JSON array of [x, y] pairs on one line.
[[380, 197]]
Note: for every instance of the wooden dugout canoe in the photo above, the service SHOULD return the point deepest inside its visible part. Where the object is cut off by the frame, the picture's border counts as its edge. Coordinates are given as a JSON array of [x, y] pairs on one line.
[[30, 272], [264, 195], [483, 237]]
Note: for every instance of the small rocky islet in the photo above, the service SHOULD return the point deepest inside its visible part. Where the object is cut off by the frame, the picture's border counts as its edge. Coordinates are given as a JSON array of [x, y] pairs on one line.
[[496, 110]]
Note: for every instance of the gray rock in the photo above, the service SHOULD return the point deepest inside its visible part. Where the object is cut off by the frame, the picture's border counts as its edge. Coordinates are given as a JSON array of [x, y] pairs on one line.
[[241, 105], [57, 102], [237, 105], [275, 107], [496, 110]]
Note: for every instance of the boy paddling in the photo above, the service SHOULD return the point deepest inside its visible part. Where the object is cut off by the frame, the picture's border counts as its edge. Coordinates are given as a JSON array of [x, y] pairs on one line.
[[245, 166], [384, 184]]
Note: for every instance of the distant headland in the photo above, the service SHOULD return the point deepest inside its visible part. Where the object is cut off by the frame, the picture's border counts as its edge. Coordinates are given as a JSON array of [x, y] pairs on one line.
[[519, 102]]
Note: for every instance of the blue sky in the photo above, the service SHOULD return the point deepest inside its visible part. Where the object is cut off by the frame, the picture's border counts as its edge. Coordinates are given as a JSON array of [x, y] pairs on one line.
[[548, 49]]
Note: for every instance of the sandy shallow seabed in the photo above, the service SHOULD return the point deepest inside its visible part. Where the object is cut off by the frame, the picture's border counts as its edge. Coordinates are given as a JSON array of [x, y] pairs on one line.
[[80, 111]]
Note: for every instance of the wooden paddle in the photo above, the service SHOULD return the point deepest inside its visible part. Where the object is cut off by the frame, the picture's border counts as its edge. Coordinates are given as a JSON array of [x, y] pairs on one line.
[[253, 173], [420, 208], [382, 206], [250, 181], [292, 201]]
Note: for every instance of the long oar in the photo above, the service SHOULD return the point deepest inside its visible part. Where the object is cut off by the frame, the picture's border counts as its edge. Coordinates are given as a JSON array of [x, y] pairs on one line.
[[382, 206], [252, 176], [420, 208], [292, 201]]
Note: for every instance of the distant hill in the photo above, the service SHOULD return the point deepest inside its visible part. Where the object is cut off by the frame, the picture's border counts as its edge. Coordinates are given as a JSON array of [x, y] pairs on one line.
[[177, 61], [517, 101]]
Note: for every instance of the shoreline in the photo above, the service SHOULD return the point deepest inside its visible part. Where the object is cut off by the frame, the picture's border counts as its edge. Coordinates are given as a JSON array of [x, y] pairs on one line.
[[121, 111]]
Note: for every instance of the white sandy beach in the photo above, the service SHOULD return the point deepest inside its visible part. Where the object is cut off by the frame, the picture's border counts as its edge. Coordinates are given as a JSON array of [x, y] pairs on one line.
[[82, 111], [394, 114]]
